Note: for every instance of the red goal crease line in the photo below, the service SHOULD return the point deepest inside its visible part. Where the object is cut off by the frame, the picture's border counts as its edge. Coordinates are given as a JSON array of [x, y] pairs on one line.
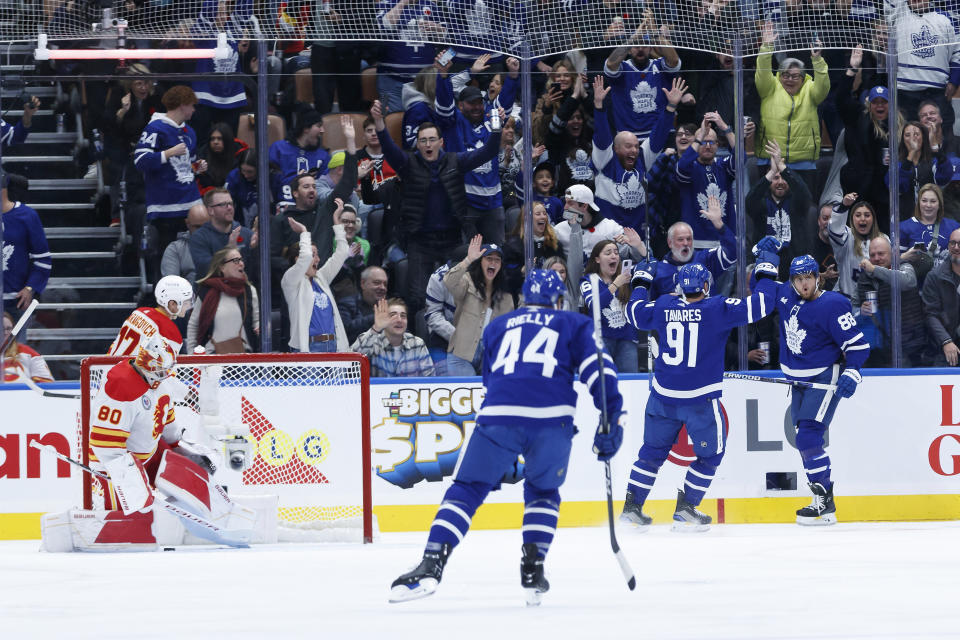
[[42, 52]]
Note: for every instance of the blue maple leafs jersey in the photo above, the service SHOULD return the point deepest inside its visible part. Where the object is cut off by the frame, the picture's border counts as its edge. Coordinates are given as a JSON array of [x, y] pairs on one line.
[[532, 357], [692, 338], [816, 334]]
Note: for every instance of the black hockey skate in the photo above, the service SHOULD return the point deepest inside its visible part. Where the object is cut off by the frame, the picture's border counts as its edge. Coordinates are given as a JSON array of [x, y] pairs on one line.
[[423, 580], [821, 511], [687, 518], [633, 513], [531, 575]]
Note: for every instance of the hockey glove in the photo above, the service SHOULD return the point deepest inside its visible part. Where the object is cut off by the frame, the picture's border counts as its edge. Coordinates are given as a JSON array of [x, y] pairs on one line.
[[643, 274], [847, 384], [767, 244], [767, 265], [606, 445]]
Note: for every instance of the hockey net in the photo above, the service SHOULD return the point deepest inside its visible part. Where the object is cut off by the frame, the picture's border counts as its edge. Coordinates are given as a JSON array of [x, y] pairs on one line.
[[307, 418], [546, 26]]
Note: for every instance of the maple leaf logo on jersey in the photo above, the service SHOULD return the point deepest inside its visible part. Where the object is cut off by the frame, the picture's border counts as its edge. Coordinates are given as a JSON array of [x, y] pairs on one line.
[[614, 314], [795, 335], [780, 223], [713, 189], [228, 64], [8, 250], [183, 168], [630, 191], [579, 166], [643, 98], [924, 42]]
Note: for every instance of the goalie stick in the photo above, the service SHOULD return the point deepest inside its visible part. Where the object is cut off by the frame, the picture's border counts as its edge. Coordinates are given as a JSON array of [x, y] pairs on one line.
[[605, 428], [214, 533], [794, 383]]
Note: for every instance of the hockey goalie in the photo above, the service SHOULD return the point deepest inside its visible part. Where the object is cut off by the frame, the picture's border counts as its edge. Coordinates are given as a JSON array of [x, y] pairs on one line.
[[155, 471]]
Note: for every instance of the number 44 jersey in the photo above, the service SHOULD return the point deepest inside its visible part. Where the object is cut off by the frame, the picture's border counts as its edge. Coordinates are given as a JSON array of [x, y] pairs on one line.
[[531, 359], [692, 338]]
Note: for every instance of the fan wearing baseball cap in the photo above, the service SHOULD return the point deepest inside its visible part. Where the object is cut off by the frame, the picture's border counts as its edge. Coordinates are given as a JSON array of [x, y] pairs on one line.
[[584, 226]]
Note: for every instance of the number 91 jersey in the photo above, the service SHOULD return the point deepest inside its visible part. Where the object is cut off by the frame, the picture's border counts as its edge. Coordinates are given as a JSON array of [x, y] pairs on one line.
[[531, 358]]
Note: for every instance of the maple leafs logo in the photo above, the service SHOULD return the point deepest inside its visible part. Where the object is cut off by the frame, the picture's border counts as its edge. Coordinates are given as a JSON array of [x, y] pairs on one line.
[[8, 250], [614, 314], [923, 42], [713, 189], [630, 191], [795, 335], [643, 98]]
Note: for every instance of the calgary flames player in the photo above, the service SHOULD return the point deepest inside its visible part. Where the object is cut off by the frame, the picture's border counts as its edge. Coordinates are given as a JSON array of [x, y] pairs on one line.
[[174, 296], [136, 439]]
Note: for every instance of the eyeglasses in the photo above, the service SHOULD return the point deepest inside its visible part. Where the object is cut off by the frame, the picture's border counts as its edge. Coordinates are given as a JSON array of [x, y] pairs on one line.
[[791, 76], [428, 140], [709, 143], [347, 221], [221, 204], [237, 260], [954, 244]]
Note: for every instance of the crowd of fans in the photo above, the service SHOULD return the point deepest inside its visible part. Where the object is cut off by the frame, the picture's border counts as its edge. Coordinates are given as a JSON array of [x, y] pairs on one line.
[[404, 247]]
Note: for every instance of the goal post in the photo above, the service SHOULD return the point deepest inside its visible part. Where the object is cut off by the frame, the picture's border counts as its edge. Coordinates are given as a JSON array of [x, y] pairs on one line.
[[307, 417]]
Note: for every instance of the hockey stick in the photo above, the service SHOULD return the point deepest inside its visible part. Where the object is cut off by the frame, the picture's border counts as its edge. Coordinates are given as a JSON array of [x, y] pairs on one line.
[[27, 381], [20, 323], [605, 428], [794, 383], [213, 532]]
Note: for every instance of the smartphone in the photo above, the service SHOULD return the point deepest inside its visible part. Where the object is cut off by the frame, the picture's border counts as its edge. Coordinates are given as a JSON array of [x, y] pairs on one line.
[[446, 57], [920, 246]]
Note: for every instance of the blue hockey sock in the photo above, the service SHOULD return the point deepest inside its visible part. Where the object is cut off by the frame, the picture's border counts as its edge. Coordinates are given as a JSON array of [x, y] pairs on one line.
[[699, 476], [455, 514], [644, 472], [816, 462], [540, 514]]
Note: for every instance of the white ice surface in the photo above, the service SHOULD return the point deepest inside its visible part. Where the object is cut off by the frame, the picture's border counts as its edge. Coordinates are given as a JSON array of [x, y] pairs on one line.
[[898, 580]]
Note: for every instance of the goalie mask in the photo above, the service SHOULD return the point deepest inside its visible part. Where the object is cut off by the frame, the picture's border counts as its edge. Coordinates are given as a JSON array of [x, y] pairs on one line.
[[542, 287], [176, 289], [155, 360]]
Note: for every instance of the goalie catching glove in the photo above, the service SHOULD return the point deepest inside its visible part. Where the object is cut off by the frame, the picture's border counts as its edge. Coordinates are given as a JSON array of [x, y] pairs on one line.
[[606, 445]]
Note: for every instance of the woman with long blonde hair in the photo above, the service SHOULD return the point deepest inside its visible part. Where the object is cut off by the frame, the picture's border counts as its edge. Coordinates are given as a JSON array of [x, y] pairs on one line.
[[851, 239], [545, 245]]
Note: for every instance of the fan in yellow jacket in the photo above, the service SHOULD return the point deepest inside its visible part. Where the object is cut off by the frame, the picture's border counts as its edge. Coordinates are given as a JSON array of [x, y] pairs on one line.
[[788, 104]]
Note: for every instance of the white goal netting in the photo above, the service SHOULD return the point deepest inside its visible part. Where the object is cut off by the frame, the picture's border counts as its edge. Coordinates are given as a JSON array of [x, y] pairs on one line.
[[546, 26], [306, 416]]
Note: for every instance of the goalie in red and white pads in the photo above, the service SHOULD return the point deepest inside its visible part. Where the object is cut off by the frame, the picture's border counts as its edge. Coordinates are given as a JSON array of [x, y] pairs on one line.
[[136, 439]]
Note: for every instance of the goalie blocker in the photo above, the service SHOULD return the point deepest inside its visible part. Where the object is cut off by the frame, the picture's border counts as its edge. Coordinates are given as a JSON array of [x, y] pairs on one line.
[[179, 482]]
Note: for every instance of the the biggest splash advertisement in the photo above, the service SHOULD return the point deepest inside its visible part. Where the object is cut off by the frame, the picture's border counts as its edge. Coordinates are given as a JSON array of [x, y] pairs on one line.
[[419, 430]]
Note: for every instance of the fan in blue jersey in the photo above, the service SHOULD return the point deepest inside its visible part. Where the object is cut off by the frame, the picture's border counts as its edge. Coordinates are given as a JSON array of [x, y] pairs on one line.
[[537, 347], [24, 253], [637, 82], [301, 152], [819, 342], [11, 134], [687, 382]]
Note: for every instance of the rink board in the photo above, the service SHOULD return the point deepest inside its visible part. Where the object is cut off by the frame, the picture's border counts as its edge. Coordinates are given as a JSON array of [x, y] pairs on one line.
[[895, 449]]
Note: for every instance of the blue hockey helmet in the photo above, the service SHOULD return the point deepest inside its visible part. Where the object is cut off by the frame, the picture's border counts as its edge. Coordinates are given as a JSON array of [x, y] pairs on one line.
[[693, 277], [542, 287], [804, 264]]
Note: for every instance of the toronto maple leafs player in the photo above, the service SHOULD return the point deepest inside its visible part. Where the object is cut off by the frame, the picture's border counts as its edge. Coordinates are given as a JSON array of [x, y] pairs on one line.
[[535, 347], [687, 381], [821, 343]]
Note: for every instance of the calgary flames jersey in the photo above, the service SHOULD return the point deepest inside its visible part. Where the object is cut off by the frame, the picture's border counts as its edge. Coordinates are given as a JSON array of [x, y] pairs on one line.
[[143, 323], [127, 415]]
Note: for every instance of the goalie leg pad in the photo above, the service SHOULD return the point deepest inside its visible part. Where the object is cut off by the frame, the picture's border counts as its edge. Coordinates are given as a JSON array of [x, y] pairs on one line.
[[188, 486], [81, 530], [129, 482]]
